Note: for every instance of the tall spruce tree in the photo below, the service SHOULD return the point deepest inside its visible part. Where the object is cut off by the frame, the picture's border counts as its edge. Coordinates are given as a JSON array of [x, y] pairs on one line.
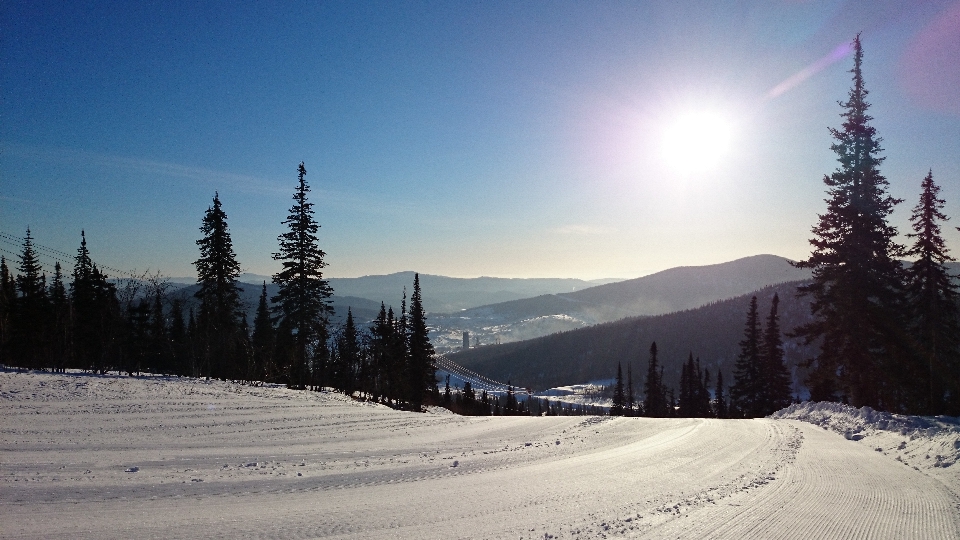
[[774, 375], [855, 290], [218, 319], [746, 394], [619, 398], [422, 371], [96, 313], [346, 361], [720, 399], [82, 296], [263, 339], [694, 393], [932, 301], [302, 305], [31, 309], [655, 399], [631, 398], [59, 336], [381, 335]]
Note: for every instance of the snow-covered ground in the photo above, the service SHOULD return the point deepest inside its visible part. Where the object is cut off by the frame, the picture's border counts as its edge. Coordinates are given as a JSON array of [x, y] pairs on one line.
[[925, 443], [85, 456]]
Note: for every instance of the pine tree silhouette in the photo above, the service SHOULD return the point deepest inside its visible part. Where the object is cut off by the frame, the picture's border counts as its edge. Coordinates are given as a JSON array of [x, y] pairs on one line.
[[932, 304], [855, 293], [263, 340], [30, 309], [59, 331], [655, 400], [422, 373], [746, 395], [302, 304], [218, 320], [619, 399], [774, 375], [720, 399]]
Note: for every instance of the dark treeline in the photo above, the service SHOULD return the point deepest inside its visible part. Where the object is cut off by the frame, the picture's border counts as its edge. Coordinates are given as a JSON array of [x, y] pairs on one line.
[[135, 325], [467, 402], [694, 399]]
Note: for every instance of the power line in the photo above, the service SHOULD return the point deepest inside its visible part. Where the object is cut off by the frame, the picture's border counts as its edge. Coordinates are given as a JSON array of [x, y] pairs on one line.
[[45, 248], [43, 265], [57, 254], [477, 381], [6, 239]]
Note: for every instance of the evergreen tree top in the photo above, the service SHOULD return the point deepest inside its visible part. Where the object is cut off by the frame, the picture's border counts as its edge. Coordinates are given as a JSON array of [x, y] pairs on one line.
[[929, 245], [856, 105], [854, 231], [84, 265], [858, 179], [217, 265], [301, 278], [30, 280]]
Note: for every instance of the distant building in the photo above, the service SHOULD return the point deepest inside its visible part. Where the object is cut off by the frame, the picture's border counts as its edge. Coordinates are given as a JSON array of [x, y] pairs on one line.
[[466, 340]]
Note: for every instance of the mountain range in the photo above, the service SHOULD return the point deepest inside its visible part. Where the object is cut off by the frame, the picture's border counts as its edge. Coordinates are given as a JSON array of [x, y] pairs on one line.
[[441, 294], [711, 332], [668, 291]]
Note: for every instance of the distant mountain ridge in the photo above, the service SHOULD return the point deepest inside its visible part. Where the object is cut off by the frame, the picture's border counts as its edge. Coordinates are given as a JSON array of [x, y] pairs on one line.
[[441, 294], [672, 290]]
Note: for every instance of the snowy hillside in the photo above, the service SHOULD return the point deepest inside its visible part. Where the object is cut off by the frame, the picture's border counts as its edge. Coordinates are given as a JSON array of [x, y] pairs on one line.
[[117, 457]]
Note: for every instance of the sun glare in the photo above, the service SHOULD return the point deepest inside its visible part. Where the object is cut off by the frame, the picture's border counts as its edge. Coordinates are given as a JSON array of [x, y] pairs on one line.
[[697, 141]]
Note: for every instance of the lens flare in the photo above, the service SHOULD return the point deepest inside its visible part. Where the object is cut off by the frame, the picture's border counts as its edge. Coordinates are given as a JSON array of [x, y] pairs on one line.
[[697, 141]]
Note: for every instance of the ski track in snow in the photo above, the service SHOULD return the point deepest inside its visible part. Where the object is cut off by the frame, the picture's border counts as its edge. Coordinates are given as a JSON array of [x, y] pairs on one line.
[[84, 456]]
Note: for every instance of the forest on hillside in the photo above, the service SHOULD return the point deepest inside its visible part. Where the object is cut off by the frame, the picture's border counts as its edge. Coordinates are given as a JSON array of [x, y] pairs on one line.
[[711, 333]]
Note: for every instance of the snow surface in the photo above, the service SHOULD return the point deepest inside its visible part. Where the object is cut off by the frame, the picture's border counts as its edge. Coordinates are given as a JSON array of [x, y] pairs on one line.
[[926, 443], [84, 456]]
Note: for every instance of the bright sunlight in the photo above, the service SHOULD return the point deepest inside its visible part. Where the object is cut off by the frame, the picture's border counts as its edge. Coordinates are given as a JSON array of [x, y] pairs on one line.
[[697, 141]]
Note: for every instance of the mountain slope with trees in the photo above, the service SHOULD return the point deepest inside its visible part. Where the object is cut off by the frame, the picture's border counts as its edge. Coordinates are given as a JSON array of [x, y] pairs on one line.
[[672, 290], [712, 333]]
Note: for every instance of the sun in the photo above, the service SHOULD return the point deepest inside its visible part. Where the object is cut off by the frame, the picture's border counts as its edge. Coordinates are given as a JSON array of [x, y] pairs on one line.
[[697, 141]]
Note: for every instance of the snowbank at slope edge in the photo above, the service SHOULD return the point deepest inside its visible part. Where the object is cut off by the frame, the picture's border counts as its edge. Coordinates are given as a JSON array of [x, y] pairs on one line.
[[927, 443]]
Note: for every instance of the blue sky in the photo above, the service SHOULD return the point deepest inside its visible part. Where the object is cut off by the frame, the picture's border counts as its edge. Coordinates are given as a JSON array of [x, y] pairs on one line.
[[515, 139]]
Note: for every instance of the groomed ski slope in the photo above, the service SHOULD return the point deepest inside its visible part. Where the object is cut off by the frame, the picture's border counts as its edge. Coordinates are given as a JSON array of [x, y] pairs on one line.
[[85, 456]]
